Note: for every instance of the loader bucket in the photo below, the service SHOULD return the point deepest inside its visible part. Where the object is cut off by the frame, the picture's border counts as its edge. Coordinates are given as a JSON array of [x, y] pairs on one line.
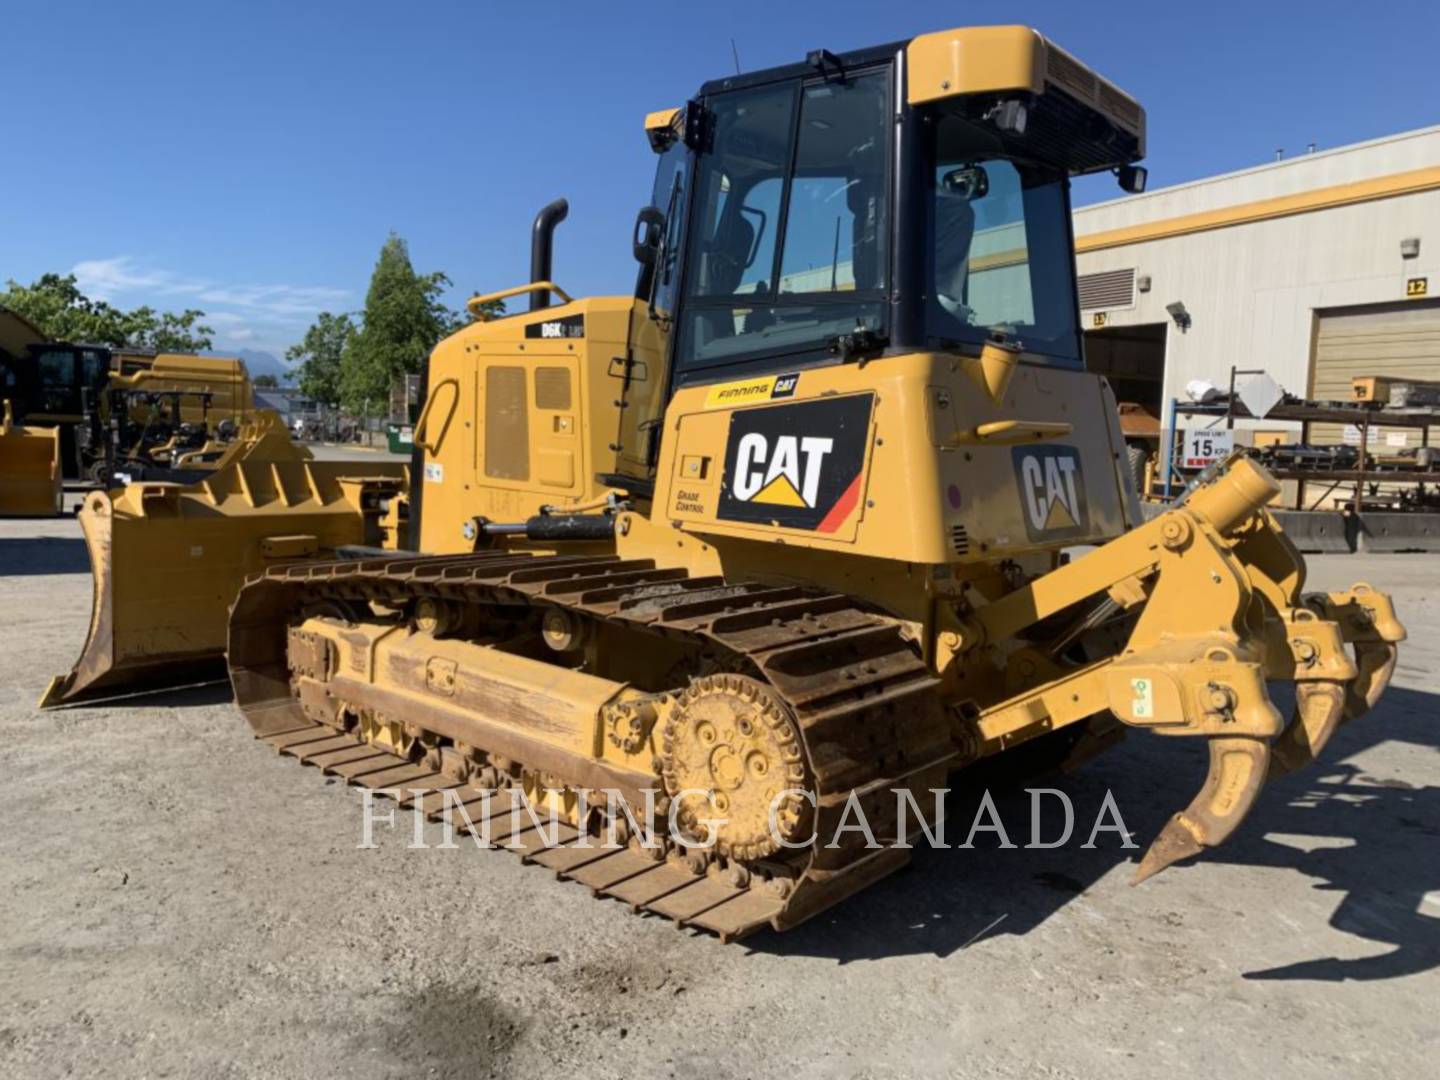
[[29, 469], [168, 559]]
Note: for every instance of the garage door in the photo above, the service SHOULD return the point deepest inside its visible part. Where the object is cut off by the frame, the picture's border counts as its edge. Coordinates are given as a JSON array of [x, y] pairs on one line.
[[1390, 339]]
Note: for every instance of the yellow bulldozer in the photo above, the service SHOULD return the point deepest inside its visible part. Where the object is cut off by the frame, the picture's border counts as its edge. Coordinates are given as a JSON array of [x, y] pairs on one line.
[[827, 509]]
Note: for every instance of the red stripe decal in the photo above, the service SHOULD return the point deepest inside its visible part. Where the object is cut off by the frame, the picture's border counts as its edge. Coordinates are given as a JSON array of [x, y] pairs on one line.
[[841, 510]]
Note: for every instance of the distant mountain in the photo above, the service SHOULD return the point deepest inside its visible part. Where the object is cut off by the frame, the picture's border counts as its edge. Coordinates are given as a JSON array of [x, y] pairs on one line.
[[259, 362]]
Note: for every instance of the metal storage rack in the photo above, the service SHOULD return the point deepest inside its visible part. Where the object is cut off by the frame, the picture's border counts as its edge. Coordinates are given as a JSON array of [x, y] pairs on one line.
[[1362, 415]]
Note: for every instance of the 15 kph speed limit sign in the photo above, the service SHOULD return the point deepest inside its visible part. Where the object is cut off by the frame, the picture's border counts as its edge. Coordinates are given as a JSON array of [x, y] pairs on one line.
[[1205, 446]]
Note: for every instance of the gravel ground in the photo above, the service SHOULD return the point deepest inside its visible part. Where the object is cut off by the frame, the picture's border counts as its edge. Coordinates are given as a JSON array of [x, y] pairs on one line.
[[179, 901]]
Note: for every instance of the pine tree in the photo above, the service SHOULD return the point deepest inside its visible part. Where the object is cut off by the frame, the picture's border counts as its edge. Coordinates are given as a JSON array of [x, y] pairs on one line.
[[403, 320]]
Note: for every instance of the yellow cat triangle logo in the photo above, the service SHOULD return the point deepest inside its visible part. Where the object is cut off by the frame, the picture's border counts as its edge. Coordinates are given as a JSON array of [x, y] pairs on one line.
[[1059, 516], [779, 492]]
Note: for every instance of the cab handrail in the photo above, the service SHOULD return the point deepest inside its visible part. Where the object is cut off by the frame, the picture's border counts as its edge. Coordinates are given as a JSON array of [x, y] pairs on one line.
[[476, 303]]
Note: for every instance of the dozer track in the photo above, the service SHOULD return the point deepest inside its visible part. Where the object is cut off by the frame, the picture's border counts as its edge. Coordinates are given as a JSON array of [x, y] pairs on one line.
[[869, 718]]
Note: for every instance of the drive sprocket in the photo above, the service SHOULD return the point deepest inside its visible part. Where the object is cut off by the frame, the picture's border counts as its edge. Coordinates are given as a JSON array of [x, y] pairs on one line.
[[731, 755]]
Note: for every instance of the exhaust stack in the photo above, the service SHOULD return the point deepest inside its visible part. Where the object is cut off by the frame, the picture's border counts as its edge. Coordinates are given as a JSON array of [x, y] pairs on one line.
[[542, 237]]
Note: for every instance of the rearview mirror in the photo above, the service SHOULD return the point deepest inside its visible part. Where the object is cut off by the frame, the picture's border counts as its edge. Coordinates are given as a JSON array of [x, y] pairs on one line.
[[971, 182], [649, 228]]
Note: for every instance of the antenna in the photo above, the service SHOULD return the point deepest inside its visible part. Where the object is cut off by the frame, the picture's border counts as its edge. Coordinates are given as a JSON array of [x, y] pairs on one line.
[[736, 54]]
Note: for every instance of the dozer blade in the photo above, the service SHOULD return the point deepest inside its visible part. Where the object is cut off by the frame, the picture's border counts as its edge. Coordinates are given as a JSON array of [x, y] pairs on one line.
[[168, 560], [29, 470]]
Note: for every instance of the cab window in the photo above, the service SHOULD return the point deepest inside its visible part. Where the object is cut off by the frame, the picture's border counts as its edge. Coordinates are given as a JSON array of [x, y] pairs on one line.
[[998, 247], [96, 367], [672, 175], [792, 208], [56, 368]]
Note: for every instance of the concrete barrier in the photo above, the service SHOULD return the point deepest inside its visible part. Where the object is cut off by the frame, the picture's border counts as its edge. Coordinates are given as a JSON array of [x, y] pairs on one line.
[[1318, 531], [1399, 532]]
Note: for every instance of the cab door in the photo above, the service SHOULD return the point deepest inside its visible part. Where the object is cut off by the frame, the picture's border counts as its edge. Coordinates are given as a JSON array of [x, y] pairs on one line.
[[643, 374]]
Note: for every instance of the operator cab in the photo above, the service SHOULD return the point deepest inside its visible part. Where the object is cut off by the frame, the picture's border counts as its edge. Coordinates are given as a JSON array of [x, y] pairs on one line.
[[905, 198]]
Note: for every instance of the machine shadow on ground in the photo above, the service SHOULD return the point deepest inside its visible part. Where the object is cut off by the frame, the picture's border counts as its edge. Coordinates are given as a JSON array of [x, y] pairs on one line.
[[1372, 841], [37, 555]]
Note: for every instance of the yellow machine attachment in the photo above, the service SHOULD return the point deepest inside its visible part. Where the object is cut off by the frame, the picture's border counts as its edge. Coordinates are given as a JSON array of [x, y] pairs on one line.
[[29, 469], [788, 534], [168, 559], [200, 457], [171, 454], [226, 380], [1204, 605]]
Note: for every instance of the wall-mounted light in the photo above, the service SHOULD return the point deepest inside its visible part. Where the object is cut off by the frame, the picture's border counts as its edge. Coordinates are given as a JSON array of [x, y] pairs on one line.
[[1179, 314], [1143, 283], [1410, 247], [1132, 178]]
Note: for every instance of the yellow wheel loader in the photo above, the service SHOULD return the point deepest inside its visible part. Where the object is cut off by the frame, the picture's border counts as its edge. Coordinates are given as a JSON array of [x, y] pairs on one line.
[[29, 468], [785, 536]]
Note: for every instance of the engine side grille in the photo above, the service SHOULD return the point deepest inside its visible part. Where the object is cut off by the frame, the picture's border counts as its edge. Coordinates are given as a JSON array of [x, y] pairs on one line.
[[552, 388], [507, 429]]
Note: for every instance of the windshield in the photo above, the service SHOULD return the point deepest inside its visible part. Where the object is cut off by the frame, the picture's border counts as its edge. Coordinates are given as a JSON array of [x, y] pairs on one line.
[[998, 247], [789, 248]]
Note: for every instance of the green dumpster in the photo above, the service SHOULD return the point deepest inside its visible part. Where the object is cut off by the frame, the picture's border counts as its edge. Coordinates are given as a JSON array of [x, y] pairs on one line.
[[401, 438]]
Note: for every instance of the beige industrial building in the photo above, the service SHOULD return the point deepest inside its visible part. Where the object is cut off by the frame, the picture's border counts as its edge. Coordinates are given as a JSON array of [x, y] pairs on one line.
[[1315, 268]]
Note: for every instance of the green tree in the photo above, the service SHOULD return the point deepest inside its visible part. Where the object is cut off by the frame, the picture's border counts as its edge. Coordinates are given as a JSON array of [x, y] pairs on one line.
[[167, 331], [265, 382], [491, 309], [404, 318], [321, 354], [56, 305], [355, 362]]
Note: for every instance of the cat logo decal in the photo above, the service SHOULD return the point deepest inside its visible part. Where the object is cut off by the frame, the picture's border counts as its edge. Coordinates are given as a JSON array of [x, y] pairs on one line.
[[798, 466], [1052, 492]]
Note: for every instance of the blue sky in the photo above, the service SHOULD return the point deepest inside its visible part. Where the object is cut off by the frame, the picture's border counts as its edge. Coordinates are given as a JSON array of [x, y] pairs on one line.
[[250, 158]]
